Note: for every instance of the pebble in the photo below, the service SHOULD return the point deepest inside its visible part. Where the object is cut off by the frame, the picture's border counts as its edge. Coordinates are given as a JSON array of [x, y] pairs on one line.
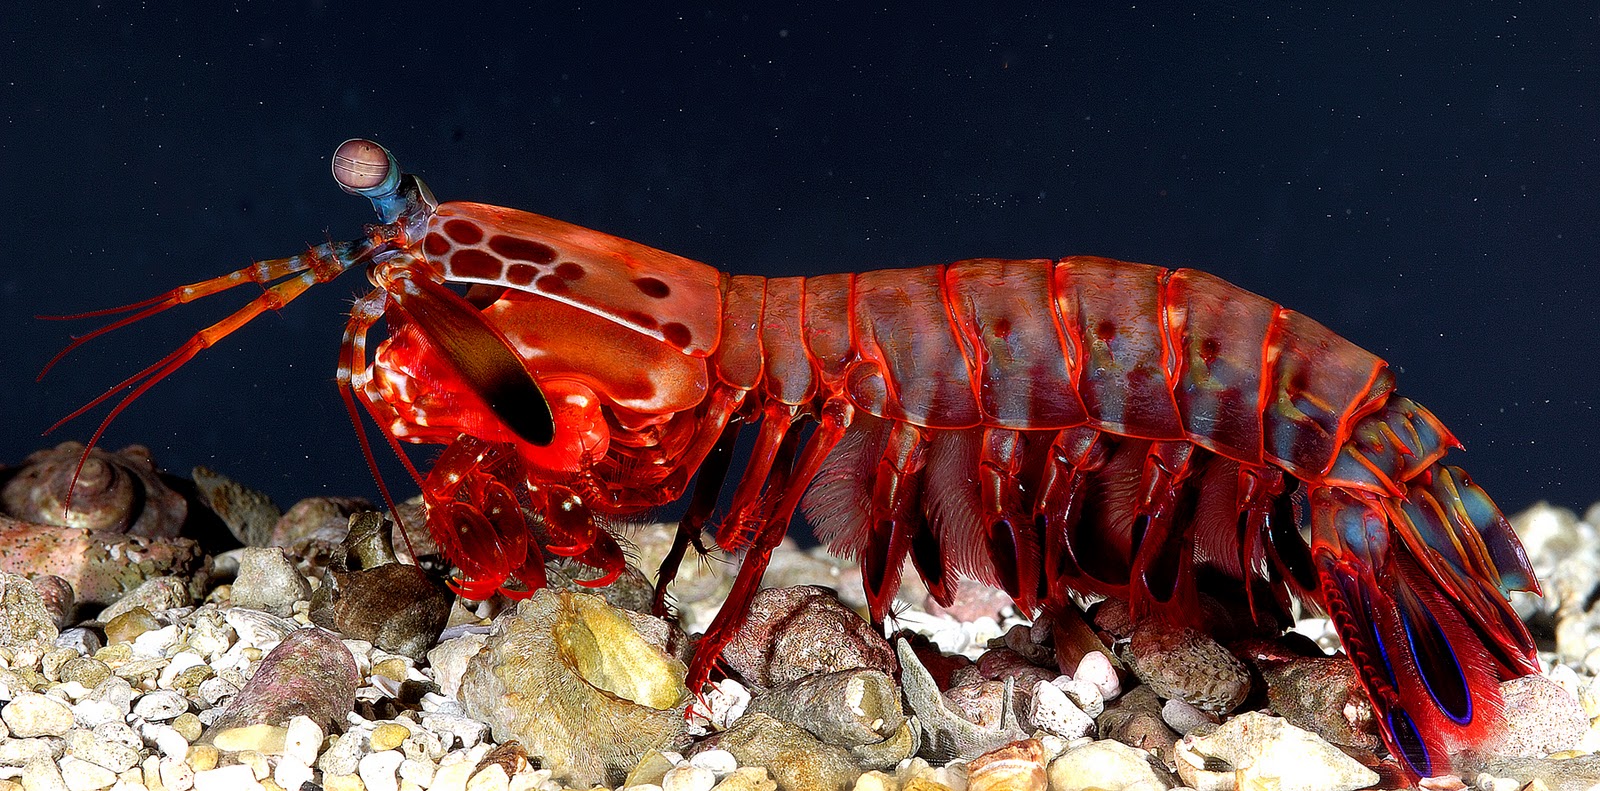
[[30, 714], [132, 716], [688, 778], [268, 581], [377, 770]]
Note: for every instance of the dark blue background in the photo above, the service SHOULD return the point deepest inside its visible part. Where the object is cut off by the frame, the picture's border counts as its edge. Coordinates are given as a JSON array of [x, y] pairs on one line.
[[1424, 184]]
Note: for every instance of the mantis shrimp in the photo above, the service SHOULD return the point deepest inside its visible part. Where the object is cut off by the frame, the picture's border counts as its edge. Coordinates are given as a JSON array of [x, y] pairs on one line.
[[1048, 426]]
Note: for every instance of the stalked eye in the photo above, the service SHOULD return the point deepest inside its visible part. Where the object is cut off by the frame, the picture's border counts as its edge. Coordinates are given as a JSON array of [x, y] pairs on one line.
[[361, 165]]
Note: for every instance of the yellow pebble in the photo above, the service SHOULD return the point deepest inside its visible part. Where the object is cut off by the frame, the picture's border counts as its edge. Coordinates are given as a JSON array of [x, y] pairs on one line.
[[388, 736], [343, 783], [393, 667], [202, 757], [266, 739], [188, 726]]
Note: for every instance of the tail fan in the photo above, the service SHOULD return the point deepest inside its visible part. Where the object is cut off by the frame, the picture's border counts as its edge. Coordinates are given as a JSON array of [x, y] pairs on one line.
[[1412, 584]]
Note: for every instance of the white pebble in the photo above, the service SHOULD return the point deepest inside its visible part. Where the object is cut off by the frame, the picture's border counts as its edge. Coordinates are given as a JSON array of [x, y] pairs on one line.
[[228, 778], [718, 762], [717, 707], [1096, 668], [688, 778], [167, 740], [42, 775], [377, 770], [177, 776], [1053, 712], [80, 775], [291, 774], [94, 713], [156, 641], [161, 705], [419, 773], [31, 714], [302, 741]]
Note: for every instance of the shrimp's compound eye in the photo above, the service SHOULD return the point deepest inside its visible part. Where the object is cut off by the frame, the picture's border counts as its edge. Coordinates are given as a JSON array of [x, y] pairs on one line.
[[359, 165]]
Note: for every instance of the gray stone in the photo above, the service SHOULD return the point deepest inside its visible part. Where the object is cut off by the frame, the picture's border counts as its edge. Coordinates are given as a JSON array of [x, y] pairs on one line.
[[268, 582]]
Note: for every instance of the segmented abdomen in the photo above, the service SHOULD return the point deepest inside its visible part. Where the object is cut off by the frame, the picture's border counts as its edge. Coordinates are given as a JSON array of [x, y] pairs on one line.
[[1128, 349]]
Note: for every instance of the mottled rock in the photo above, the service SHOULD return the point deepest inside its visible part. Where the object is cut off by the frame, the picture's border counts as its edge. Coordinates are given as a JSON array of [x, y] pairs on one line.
[[249, 514], [999, 664], [846, 708], [1108, 765], [796, 632], [396, 607], [115, 493], [793, 757], [630, 591], [573, 680], [268, 581], [1185, 664], [157, 594], [25, 623], [1135, 720], [1264, 751], [101, 567], [310, 673], [1541, 718], [1322, 695]]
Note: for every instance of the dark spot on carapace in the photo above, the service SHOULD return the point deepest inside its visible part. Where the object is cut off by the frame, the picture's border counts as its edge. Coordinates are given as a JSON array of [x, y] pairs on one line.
[[519, 249], [521, 274], [1299, 382], [1002, 328], [652, 287], [641, 319], [677, 334], [435, 244], [1106, 329], [1209, 349], [550, 284], [463, 232], [567, 270], [476, 264]]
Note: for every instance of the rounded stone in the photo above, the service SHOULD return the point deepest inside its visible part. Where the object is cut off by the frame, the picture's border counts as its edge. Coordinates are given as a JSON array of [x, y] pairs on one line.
[[30, 714]]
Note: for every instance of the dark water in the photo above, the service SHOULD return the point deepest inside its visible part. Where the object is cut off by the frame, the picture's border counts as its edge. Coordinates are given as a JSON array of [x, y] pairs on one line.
[[1425, 185]]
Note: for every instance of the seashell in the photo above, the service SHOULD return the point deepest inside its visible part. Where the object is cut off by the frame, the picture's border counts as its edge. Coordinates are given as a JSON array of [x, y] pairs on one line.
[[572, 679], [847, 707], [115, 493], [1265, 751], [1018, 766]]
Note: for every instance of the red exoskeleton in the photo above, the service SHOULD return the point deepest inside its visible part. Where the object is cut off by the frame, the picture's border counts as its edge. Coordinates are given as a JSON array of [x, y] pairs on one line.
[[1047, 426]]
